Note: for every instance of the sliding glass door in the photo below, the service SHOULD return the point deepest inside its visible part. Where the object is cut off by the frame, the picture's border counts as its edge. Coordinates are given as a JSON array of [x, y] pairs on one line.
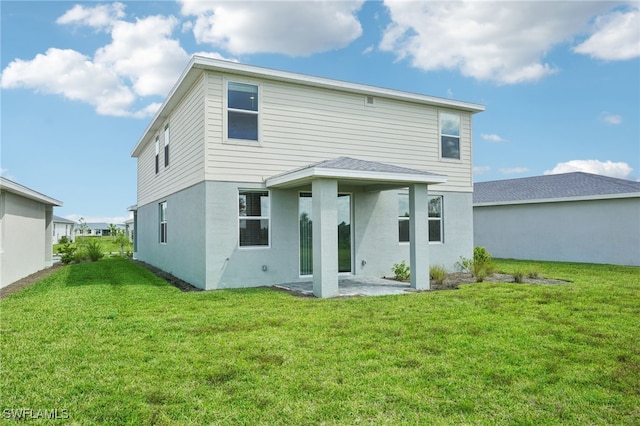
[[305, 216]]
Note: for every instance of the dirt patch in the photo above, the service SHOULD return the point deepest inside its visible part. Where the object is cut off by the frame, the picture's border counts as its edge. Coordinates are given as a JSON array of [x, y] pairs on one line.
[[28, 280], [454, 280]]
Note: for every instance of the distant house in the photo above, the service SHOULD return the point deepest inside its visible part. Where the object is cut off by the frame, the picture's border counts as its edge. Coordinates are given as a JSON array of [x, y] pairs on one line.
[[62, 228], [130, 228], [26, 230], [575, 217], [250, 176], [96, 229]]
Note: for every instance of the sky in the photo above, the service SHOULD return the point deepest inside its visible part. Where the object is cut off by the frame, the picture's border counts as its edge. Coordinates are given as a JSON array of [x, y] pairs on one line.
[[80, 81]]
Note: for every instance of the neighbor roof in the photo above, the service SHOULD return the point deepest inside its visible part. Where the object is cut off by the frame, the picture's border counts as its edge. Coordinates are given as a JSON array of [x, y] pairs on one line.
[[16, 188], [356, 172], [560, 187], [198, 64], [59, 219]]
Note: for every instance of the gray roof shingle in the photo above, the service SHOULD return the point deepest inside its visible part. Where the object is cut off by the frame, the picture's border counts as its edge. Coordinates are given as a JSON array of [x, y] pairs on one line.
[[576, 184], [348, 163]]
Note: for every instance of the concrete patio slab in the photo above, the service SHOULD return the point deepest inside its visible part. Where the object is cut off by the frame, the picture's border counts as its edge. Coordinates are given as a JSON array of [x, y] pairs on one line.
[[356, 286]]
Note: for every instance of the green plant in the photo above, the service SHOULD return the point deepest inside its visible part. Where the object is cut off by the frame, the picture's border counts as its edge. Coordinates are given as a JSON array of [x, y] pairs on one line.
[[518, 276], [533, 273], [122, 240], [401, 271], [438, 273], [94, 250], [480, 266], [67, 252]]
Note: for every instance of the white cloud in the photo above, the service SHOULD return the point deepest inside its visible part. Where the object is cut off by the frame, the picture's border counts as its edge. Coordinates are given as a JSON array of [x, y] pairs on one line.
[[616, 37], [620, 170], [503, 42], [478, 170], [492, 137], [291, 28], [142, 59], [608, 118], [99, 17], [513, 170]]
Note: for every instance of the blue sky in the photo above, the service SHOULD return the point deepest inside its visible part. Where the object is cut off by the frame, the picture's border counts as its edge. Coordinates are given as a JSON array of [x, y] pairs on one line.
[[81, 80]]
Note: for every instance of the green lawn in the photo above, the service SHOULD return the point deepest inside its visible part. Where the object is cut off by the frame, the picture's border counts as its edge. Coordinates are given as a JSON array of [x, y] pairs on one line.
[[110, 343], [108, 244]]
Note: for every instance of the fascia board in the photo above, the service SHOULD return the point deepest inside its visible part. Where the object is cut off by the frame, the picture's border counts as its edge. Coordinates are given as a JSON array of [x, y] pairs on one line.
[[562, 199]]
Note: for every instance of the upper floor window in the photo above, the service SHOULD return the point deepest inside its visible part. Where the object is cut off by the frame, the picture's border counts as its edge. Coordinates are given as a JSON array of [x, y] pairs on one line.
[[435, 218], [253, 212], [166, 145], [450, 135], [242, 111], [157, 154]]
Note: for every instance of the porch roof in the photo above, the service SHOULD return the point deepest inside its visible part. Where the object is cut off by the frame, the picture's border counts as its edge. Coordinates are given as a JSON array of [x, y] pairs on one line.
[[373, 175]]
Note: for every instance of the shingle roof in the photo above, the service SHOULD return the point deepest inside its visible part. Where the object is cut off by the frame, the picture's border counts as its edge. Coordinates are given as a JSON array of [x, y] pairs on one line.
[[348, 163], [59, 219], [566, 185]]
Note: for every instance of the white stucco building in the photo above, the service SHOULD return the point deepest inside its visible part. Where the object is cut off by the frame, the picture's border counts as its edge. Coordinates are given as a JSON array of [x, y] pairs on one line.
[[250, 176], [572, 217], [26, 230], [62, 228]]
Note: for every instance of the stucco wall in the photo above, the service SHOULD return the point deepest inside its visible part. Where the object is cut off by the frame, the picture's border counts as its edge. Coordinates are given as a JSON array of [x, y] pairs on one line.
[[25, 248], [184, 253], [210, 210], [599, 231]]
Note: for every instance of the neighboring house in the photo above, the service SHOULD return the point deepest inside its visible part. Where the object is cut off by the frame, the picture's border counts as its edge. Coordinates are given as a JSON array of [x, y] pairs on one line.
[[96, 229], [250, 176], [62, 228], [26, 229], [573, 217], [130, 229]]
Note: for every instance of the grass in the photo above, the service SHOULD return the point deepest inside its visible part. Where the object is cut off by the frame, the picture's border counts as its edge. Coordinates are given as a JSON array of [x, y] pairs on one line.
[[108, 244], [111, 343]]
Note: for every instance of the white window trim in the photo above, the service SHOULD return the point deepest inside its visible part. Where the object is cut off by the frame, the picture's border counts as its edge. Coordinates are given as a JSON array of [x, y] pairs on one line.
[[441, 134], [441, 219], [226, 109], [268, 218], [160, 222], [166, 145], [156, 158]]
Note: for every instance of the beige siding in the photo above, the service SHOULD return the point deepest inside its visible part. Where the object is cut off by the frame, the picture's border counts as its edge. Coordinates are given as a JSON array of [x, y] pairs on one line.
[[186, 150], [302, 125]]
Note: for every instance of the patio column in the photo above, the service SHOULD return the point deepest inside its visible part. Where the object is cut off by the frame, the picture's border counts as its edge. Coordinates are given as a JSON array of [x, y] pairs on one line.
[[419, 236], [325, 237]]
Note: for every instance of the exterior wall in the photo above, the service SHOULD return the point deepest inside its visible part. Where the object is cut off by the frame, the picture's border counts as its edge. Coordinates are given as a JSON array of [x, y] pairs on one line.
[[599, 231], [203, 249], [184, 253], [25, 237], [186, 150], [300, 125], [377, 232], [60, 230]]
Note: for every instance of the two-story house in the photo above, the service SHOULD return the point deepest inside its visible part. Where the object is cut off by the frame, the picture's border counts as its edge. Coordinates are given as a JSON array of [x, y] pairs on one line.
[[250, 176]]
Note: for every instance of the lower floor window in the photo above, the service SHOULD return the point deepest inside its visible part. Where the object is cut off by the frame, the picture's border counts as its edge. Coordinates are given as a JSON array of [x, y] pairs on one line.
[[163, 222], [435, 218], [253, 222]]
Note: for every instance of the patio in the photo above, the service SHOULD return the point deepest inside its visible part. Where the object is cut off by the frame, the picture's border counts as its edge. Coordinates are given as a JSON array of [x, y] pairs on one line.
[[355, 286]]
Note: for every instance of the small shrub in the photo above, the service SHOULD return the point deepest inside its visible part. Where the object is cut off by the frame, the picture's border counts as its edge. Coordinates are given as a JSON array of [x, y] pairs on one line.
[[438, 273], [94, 250], [63, 240], [401, 271], [533, 273], [67, 252], [80, 254], [518, 276], [480, 266]]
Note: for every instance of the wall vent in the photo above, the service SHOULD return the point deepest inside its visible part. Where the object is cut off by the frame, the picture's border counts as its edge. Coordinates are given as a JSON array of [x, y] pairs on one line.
[[369, 101]]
